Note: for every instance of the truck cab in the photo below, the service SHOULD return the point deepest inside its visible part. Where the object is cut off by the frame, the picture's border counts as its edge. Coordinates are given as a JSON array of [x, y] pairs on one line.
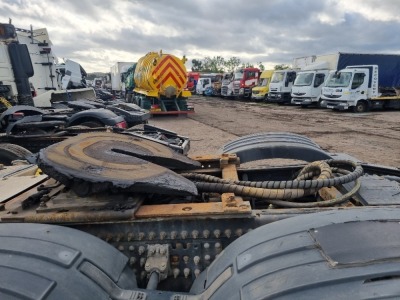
[[307, 87], [202, 85], [280, 87], [240, 83], [351, 88], [192, 79], [260, 92]]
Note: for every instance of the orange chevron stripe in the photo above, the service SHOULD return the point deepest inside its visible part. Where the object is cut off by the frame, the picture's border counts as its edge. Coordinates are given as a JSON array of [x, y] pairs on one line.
[[167, 69], [171, 60], [163, 60], [170, 75]]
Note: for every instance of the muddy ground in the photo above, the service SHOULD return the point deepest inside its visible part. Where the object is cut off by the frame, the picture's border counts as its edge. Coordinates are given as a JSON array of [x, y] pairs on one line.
[[372, 137]]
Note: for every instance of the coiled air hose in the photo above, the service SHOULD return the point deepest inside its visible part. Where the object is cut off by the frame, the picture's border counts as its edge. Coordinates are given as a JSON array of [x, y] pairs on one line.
[[330, 173]]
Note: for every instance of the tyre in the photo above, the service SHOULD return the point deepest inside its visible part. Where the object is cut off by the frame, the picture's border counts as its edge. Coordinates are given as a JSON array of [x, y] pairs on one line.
[[10, 152], [360, 107], [54, 262]]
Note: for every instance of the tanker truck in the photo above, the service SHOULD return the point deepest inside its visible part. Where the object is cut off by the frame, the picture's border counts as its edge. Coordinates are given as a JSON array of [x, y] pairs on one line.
[[372, 82], [160, 84]]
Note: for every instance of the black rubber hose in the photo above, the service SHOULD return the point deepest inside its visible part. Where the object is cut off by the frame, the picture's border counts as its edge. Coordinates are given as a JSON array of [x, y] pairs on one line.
[[278, 192], [297, 183]]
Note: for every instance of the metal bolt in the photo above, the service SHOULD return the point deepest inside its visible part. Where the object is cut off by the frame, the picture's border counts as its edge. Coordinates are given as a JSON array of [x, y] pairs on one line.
[[152, 235], [228, 233], [206, 245], [121, 248], [239, 232], [141, 236], [196, 260], [163, 234], [218, 247], [131, 248], [186, 259], [119, 237], [130, 236], [196, 272], [207, 257], [142, 261], [132, 261], [176, 272], [184, 234], [206, 233], [173, 234], [195, 234], [186, 272], [141, 250], [217, 233]]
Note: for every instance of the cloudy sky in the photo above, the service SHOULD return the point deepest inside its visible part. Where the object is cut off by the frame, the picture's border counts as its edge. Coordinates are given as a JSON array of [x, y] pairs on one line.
[[98, 33]]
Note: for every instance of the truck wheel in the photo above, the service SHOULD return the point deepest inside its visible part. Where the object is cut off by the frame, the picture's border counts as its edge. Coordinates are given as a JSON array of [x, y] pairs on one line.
[[10, 152], [360, 107]]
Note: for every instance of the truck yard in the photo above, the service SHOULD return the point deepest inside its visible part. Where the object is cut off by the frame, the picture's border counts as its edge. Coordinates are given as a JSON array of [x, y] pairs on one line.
[[373, 137]]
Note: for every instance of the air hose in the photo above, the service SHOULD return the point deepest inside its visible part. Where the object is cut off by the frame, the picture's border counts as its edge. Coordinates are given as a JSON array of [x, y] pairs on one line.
[[330, 173]]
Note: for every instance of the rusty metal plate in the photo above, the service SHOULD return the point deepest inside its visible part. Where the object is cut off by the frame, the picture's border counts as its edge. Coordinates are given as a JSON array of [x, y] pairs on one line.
[[99, 161]]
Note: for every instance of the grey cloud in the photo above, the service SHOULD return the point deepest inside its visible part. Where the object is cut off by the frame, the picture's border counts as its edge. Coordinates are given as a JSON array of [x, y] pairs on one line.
[[247, 29]]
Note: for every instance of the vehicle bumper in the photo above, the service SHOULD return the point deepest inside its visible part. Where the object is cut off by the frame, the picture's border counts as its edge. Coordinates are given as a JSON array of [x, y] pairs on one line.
[[258, 97], [302, 101], [276, 98], [337, 105]]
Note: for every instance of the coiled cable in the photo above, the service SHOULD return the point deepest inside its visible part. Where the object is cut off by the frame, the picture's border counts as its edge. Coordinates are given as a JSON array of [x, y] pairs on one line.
[[329, 173]]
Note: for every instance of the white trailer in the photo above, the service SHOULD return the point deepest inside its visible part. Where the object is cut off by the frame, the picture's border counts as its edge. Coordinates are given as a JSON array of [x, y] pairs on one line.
[[117, 71]]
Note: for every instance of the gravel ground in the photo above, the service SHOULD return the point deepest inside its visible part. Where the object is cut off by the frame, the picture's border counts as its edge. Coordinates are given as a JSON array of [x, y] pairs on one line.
[[372, 137]]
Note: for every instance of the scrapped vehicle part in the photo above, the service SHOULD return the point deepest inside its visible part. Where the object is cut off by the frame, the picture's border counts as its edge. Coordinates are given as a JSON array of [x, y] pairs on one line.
[[180, 144], [330, 255], [10, 152], [99, 115], [95, 162], [131, 113], [275, 145], [35, 142], [49, 262], [340, 255], [172, 239]]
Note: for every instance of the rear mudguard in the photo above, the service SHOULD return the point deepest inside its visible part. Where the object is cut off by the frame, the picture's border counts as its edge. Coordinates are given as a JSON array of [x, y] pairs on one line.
[[101, 115]]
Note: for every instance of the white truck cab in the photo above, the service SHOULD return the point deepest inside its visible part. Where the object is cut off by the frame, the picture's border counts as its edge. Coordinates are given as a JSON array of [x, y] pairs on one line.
[[202, 84], [351, 88], [307, 87], [280, 87]]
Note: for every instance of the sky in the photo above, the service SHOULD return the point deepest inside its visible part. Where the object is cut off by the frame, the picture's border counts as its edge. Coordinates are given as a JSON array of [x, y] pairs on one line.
[[99, 33]]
